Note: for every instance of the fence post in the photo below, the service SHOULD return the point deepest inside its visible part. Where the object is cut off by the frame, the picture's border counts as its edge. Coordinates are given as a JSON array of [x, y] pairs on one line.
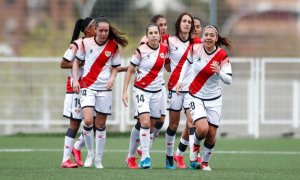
[[257, 94], [46, 114], [295, 104]]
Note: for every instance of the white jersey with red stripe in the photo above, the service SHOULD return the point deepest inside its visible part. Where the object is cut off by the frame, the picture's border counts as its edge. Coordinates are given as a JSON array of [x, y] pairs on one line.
[[163, 41], [70, 56], [99, 58], [178, 53], [205, 83], [150, 63]]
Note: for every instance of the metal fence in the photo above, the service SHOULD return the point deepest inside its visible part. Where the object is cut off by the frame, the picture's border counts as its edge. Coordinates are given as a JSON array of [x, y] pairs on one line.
[[263, 100]]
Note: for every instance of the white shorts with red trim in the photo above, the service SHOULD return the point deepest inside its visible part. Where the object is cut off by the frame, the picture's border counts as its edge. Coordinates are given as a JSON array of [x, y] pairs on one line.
[[72, 108], [210, 109], [177, 102], [100, 100], [147, 102]]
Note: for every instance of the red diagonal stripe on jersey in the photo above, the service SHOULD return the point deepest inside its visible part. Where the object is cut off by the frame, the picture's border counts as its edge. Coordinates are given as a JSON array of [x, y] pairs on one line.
[[160, 61], [98, 65], [176, 73], [68, 85], [69, 88], [205, 73]]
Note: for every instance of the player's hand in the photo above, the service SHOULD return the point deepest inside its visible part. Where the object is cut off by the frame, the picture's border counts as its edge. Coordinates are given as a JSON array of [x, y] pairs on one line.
[[178, 88], [110, 83], [76, 86], [215, 67], [125, 99]]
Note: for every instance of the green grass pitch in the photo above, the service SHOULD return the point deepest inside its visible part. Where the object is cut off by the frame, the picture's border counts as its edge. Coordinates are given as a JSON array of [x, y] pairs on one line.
[[34, 157]]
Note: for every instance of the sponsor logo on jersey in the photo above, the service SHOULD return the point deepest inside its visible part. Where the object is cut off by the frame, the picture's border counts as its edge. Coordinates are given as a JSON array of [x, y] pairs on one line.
[[199, 59], [107, 53]]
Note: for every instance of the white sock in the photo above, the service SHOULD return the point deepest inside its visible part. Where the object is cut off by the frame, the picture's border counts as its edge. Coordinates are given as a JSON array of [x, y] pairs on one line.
[[193, 154], [183, 143], [133, 142], [191, 142], [69, 142], [145, 142], [100, 139], [79, 144], [169, 140], [206, 154], [89, 139]]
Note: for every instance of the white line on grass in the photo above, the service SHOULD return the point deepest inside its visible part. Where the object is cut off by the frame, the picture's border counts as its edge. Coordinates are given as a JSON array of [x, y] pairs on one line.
[[160, 151]]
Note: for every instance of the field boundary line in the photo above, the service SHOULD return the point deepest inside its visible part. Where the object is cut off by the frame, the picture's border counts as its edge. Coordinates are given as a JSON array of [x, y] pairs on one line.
[[157, 151]]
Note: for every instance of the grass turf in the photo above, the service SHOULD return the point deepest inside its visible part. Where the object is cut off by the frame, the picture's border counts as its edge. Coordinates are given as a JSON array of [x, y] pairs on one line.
[[233, 159]]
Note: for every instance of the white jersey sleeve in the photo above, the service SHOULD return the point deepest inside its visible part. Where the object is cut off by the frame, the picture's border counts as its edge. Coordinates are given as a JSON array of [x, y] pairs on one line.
[[70, 53], [136, 58], [80, 54]]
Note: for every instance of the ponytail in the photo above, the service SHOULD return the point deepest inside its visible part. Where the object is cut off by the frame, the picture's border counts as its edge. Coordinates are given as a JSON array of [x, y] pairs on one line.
[[81, 25], [76, 30]]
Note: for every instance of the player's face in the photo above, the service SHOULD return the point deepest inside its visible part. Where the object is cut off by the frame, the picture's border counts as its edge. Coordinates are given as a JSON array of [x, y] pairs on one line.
[[185, 24], [102, 32], [162, 24], [153, 35], [198, 28], [209, 38]]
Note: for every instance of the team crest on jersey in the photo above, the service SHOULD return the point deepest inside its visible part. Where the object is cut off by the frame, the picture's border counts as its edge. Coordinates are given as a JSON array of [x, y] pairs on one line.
[[162, 55], [107, 53]]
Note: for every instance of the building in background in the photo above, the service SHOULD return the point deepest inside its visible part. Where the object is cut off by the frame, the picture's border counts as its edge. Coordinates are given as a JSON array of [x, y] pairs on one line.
[[265, 28], [260, 28], [19, 18]]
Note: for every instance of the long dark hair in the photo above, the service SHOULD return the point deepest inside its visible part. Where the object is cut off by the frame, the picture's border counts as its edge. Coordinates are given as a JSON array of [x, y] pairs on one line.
[[80, 25], [113, 32], [177, 25]]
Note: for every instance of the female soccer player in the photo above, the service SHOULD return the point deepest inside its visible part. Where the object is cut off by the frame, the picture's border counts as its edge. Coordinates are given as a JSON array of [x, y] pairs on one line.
[[149, 59], [157, 124], [187, 135], [72, 107], [209, 64], [179, 47], [101, 58]]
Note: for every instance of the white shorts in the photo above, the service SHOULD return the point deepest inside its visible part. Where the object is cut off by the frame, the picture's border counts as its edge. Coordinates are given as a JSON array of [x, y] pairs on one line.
[[176, 102], [210, 109], [147, 102], [72, 108], [100, 100]]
